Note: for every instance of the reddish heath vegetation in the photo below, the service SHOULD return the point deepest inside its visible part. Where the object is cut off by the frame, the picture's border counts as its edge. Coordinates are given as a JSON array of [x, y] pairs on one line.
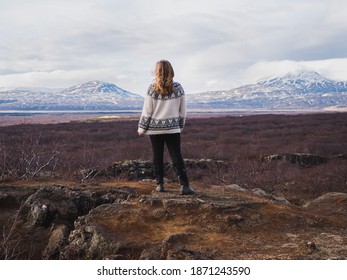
[[86, 150]]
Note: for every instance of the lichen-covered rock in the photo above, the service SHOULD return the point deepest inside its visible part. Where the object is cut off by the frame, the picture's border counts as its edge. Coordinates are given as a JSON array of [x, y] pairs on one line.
[[97, 236], [63, 205], [57, 240], [143, 169], [302, 159], [59, 204]]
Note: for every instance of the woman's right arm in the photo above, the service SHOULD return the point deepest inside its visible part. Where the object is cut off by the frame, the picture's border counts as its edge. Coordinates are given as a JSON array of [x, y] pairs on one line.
[[182, 110]]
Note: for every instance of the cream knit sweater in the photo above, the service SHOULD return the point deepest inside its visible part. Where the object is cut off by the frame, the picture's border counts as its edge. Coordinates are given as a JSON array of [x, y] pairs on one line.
[[163, 114]]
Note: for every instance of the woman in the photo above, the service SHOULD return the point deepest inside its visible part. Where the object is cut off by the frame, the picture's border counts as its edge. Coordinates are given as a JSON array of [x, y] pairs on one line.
[[163, 118]]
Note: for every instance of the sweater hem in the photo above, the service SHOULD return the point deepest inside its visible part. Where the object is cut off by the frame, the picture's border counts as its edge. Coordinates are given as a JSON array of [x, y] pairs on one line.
[[156, 132]]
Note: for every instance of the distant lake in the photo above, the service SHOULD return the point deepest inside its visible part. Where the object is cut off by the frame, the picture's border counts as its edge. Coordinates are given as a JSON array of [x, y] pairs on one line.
[[78, 112]]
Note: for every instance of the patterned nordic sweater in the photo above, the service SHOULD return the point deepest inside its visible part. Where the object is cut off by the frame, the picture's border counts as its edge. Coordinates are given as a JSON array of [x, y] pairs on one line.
[[163, 114]]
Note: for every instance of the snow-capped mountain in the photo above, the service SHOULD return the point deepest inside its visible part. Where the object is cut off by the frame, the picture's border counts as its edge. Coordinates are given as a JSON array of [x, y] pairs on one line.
[[295, 91], [96, 87], [304, 82], [94, 95], [298, 90]]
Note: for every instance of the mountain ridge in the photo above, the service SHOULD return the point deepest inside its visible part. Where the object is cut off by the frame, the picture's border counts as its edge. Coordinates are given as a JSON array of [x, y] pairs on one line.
[[298, 90], [93, 95]]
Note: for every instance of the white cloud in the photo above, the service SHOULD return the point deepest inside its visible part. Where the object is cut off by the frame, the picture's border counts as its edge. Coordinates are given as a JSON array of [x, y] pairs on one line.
[[335, 69], [212, 44]]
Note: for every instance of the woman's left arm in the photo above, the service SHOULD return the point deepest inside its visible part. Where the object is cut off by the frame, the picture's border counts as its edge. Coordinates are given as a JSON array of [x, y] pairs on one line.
[[146, 115]]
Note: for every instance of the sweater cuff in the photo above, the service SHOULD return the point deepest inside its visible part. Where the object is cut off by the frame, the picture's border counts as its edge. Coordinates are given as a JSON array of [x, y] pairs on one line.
[[182, 122], [141, 130]]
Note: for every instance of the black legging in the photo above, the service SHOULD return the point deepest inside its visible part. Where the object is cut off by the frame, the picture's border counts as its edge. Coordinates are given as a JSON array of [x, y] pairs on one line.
[[173, 143]]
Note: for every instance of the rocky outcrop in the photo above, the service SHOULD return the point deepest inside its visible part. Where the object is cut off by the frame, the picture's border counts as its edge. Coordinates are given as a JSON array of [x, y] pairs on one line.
[[47, 216], [203, 226], [131, 169], [155, 226], [218, 222], [297, 158], [143, 169], [58, 204]]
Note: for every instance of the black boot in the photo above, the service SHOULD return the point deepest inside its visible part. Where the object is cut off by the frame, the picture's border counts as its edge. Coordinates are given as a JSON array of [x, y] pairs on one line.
[[185, 190], [159, 177], [183, 178], [160, 188]]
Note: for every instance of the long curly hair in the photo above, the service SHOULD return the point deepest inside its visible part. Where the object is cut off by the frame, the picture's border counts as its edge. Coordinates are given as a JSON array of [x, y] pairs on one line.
[[164, 74]]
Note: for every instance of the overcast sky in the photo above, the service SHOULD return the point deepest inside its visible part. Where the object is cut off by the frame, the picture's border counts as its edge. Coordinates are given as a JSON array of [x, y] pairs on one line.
[[212, 45]]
